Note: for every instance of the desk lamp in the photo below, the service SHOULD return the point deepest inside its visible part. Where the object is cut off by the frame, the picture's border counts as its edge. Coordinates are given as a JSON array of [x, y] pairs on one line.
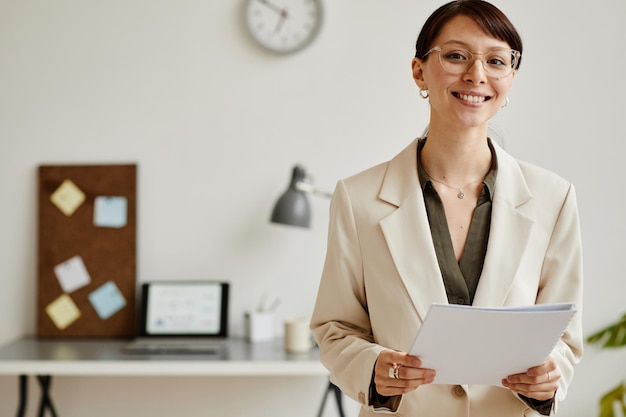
[[292, 208]]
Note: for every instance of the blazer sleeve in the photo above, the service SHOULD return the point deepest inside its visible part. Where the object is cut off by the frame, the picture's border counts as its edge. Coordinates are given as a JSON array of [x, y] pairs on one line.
[[340, 322], [562, 281]]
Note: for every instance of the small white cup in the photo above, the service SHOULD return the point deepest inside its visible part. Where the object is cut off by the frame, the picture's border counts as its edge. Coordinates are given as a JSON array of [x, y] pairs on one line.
[[298, 337]]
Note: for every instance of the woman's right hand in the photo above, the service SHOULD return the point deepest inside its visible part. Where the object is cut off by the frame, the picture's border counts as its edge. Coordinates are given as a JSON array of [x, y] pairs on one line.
[[397, 373]]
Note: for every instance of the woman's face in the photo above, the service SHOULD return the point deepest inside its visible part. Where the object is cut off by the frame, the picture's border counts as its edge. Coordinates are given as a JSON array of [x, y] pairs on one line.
[[469, 99]]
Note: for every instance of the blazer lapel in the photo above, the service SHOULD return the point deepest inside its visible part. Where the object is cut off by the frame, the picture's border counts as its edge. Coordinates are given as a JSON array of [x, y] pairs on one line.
[[407, 232], [509, 233]]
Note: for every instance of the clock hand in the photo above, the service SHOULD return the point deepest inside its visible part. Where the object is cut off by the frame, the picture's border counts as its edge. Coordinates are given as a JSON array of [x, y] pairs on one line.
[[280, 22], [283, 13]]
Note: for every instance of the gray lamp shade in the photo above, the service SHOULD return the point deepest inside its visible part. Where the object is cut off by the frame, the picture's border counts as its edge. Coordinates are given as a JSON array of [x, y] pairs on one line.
[[292, 208]]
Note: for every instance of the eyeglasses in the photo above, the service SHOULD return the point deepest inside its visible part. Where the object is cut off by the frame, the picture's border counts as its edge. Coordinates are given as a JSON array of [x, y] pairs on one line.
[[498, 63]]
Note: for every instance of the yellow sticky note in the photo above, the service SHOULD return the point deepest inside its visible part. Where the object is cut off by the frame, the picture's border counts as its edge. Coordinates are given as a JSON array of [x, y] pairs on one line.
[[68, 197], [63, 311]]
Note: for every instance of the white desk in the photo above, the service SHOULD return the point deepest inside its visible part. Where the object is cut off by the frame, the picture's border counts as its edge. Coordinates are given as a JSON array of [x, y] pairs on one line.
[[45, 358]]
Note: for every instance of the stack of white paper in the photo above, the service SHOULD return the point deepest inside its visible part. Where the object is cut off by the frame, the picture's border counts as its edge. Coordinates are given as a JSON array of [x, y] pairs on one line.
[[475, 345]]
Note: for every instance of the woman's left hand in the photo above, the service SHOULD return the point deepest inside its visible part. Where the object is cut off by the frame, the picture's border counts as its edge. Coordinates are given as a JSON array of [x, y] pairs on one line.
[[539, 382]]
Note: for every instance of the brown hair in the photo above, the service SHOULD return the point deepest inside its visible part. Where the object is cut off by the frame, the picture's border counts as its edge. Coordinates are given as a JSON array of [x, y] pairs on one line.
[[487, 16]]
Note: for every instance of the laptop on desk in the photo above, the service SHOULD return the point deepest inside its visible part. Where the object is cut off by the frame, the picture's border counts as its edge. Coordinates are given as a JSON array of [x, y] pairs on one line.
[[182, 317]]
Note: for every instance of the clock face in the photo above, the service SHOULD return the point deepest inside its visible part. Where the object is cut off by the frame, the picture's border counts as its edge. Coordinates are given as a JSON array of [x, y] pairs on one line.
[[284, 26]]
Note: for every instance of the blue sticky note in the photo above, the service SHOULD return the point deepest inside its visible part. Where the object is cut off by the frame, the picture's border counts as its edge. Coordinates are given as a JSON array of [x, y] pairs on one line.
[[110, 211], [107, 300]]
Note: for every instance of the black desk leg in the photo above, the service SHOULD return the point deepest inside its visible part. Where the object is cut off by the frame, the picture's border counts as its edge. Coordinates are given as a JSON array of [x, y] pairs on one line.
[[23, 395], [338, 397], [45, 401]]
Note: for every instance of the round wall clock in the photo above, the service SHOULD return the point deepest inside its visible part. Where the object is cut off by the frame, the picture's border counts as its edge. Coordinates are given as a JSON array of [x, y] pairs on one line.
[[284, 26]]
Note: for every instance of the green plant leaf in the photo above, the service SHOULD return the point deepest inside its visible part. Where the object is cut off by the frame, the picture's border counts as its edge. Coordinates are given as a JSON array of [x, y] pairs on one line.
[[611, 336], [616, 395]]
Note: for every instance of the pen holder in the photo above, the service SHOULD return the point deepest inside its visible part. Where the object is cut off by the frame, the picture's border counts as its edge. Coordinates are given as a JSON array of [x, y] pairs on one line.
[[259, 326]]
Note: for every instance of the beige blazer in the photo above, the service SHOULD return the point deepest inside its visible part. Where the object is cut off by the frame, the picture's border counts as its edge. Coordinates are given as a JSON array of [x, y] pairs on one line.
[[381, 275]]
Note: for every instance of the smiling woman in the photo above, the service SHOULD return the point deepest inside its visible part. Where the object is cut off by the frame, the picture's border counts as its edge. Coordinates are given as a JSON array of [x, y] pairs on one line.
[[454, 219]]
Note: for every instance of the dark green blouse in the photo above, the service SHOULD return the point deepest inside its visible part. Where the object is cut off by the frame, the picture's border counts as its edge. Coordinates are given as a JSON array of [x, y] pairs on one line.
[[460, 278]]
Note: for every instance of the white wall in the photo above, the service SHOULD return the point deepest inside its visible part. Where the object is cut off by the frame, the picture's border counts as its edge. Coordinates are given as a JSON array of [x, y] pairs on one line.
[[215, 125]]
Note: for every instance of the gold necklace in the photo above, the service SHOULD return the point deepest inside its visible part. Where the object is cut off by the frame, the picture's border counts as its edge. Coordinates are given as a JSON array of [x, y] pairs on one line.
[[461, 194]]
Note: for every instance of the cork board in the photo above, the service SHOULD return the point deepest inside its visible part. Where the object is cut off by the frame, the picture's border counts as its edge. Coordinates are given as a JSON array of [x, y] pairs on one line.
[[86, 251]]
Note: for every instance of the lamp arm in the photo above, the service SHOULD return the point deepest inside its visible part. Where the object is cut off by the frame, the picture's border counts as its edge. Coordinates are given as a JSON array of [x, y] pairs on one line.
[[307, 187]]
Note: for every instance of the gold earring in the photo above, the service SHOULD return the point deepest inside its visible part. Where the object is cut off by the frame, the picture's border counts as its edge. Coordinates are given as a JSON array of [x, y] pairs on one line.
[[424, 93]]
